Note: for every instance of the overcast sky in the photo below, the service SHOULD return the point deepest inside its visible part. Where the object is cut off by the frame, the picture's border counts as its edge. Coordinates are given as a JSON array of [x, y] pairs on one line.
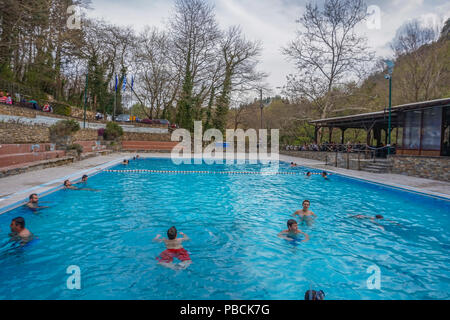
[[273, 22]]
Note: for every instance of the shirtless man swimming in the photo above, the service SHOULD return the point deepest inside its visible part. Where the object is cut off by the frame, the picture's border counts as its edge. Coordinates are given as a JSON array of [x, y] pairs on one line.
[[18, 230], [305, 215], [68, 185], [374, 219], [292, 231], [33, 202], [174, 249]]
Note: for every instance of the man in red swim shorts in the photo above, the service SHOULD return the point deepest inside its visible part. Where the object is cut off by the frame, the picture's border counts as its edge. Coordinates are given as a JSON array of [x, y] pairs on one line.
[[174, 250]]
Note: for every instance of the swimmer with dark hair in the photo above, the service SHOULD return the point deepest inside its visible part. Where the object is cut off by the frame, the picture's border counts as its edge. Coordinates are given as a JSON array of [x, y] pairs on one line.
[[305, 215], [174, 249], [68, 185], [125, 162], [314, 295], [293, 164], [292, 232], [84, 178], [33, 202], [374, 219], [19, 232], [308, 174], [324, 175]]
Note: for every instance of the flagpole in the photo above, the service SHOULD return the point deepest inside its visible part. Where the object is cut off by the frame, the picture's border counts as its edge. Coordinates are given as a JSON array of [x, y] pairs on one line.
[[115, 101]]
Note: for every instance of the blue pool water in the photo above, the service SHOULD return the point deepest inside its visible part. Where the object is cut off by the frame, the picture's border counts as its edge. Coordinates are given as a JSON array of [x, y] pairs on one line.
[[233, 221]]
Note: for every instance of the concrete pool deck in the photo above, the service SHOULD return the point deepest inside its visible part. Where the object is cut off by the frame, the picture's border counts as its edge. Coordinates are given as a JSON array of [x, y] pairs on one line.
[[17, 188]]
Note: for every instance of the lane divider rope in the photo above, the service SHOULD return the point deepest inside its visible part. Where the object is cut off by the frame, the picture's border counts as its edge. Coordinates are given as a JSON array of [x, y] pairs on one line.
[[211, 172]]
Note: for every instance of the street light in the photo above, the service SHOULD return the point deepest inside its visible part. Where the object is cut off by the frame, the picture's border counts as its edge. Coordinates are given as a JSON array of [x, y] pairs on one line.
[[390, 64]]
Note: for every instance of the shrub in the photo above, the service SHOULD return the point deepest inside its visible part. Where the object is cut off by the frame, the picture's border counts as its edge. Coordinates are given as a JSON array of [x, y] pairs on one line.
[[61, 109], [76, 147], [64, 128], [112, 131]]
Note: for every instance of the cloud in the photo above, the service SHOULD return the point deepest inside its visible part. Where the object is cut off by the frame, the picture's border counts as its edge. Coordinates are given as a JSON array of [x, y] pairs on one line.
[[273, 22]]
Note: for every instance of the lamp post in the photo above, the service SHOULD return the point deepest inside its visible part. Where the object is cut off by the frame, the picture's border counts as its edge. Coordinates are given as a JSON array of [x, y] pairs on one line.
[[261, 106], [390, 65]]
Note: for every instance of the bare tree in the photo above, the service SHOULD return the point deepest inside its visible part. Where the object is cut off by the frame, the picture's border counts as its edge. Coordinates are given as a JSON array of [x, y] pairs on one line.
[[418, 48], [194, 33], [240, 58], [327, 51], [158, 77]]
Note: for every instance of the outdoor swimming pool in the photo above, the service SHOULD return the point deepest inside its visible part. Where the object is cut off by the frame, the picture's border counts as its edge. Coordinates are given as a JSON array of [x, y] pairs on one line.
[[233, 222]]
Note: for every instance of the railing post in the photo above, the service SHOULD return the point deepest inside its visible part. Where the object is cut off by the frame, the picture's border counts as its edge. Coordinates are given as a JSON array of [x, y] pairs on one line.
[[336, 158], [348, 160]]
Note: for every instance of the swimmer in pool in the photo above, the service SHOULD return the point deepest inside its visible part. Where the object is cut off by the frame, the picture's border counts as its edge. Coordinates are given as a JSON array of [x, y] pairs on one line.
[[33, 202], [68, 185], [314, 295], [293, 164], [19, 232], [84, 178], [174, 249], [374, 219], [308, 174], [292, 231], [125, 162], [305, 215], [324, 175]]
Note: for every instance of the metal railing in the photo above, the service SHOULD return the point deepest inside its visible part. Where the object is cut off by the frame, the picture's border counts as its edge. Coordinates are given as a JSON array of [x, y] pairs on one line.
[[364, 152]]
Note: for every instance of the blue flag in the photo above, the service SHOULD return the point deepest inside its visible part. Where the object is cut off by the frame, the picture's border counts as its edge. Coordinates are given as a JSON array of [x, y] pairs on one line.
[[124, 87], [117, 82], [132, 82]]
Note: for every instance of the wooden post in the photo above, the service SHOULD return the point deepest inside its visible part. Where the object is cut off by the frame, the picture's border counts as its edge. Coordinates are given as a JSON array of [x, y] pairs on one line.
[[316, 129], [342, 135]]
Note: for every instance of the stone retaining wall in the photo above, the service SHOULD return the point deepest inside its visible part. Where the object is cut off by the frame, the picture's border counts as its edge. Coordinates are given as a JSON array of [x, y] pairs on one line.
[[436, 168], [344, 160], [11, 133], [136, 136]]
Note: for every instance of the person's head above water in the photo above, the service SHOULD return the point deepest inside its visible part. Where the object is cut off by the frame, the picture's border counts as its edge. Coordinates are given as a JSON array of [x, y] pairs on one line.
[[324, 173], [172, 233], [308, 174], [67, 183], [314, 295], [379, 216], [33, 198], [292, 225], [17, 224], [84, 178], [305, 204]]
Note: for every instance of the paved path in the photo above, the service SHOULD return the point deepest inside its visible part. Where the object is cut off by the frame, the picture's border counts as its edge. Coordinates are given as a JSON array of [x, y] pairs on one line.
[[18, 187], [432, 187]]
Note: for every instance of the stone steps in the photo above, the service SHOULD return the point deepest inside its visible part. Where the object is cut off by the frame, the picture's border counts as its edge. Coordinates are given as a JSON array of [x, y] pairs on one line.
[[7, 160], [6, 149], [381, 166], [36, 165], [148, 145], [90, 146]]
